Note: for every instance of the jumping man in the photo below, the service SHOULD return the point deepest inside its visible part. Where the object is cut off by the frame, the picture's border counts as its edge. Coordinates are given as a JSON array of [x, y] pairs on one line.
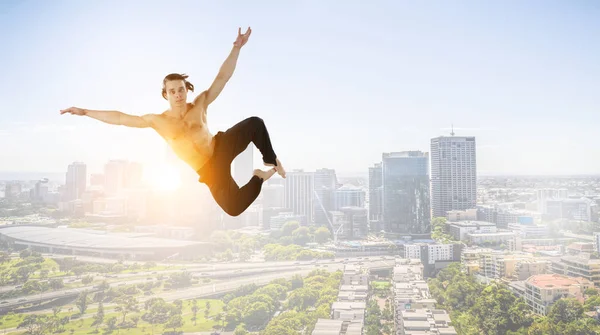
[[184, 128]]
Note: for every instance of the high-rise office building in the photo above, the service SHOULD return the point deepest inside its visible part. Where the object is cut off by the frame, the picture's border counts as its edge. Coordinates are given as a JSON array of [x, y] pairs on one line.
[[325, 186], [406, 206], [348, 196], [115, 172], [122, 174], [453, 174], [76, 181], [375, 193], [12, 190], [299, 194]]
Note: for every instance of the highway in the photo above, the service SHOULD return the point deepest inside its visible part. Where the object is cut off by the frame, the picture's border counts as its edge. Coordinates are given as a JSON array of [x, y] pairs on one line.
[[236, 275]]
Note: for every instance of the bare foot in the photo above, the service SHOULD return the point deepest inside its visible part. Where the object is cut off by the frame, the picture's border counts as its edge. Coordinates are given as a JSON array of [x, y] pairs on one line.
[[264, 175], [279, 168]]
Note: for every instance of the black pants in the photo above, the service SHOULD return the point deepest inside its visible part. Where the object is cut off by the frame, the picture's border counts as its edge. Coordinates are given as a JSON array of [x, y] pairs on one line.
[[216, 173]]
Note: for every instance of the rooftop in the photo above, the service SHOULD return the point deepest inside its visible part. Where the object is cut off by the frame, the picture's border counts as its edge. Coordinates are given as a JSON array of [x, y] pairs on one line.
[[556, 281], [471, 223], [349, 305], [75, 238]]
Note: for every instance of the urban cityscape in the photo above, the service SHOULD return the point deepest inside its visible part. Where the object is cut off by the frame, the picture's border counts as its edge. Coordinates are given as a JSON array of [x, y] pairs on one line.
[[442, 171], [420, 246]]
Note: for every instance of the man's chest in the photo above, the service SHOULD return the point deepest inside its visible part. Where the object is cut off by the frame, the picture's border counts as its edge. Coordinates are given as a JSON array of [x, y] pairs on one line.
[[174, 129]]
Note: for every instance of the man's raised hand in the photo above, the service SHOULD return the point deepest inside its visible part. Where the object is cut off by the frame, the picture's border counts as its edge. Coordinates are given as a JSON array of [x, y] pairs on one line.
[[73, 110], [242, 38]]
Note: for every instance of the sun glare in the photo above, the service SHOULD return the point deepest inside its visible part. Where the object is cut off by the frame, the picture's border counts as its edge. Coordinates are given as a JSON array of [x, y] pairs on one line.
[[163, 177]]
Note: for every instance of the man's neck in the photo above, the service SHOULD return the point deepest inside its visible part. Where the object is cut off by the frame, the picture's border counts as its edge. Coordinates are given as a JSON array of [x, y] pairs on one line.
[[178, 111]]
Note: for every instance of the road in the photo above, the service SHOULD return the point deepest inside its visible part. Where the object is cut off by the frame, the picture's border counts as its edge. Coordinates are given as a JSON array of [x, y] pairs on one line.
[[228, 286], [237, 274]]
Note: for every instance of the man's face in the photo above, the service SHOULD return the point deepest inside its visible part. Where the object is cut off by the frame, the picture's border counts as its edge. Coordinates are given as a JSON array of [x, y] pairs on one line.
[[176, 92]]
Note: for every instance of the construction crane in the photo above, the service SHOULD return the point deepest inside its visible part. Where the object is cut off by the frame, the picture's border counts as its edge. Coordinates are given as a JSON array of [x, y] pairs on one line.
[[335, 232]]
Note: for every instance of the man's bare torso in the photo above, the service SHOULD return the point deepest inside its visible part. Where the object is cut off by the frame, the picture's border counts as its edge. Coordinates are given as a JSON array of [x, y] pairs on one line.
[[188, 136]]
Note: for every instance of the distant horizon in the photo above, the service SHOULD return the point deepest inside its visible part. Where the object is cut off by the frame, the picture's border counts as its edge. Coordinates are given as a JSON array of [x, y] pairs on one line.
[[340, 174]]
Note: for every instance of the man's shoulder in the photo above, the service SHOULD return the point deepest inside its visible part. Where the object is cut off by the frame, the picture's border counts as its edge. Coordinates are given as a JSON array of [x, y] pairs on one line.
[[155, 119]]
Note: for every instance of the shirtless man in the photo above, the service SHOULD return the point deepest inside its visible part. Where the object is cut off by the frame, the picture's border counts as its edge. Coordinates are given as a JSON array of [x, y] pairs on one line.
[[184, 128]]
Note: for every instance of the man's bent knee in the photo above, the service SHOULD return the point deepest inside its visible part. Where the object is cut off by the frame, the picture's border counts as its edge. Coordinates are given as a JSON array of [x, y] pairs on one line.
[[234, 210], [256, 120]]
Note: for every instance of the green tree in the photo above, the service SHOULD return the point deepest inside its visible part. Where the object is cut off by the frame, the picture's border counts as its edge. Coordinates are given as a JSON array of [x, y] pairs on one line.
[[111, 324], [245, 255], [126, 305], [297, 281], [99, 317], [301, 236], [257, 314], [289, 227], [56, 283], [175, 321], [157, 312], [82, 302], [240, 330], [195, 309], [566, 311], [322, 235], [35, 324]]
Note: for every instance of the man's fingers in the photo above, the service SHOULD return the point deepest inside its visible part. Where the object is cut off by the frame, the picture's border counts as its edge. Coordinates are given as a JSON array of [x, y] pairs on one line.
[[239, 30]]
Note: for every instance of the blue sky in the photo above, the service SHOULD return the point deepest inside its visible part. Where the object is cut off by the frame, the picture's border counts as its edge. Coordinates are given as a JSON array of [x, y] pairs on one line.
[[337, 83]]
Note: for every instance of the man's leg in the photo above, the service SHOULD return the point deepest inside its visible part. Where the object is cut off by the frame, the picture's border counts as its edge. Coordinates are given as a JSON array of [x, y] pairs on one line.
[[253, 129], [235, 200]]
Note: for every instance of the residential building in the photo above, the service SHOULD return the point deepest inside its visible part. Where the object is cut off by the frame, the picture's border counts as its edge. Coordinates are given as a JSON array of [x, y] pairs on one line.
[[542, 291], [453, 174]]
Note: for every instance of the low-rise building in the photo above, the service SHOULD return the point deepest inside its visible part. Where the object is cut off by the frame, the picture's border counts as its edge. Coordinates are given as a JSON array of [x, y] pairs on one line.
[[506, 238], [425, 321], [529, 230], [348, 310], [353, 293], [542, 291], [337, 327], [577, 248], [457, 215], [578, 266], [354, 275], [459, 230]]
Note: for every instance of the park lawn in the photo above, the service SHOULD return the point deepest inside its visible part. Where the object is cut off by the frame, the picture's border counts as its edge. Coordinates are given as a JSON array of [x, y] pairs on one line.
[[11, 321], [83, 325], [381, 285], [202, 324]]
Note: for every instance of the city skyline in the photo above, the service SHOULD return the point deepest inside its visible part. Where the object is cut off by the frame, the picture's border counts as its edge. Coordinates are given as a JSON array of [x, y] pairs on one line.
[[356, 82]]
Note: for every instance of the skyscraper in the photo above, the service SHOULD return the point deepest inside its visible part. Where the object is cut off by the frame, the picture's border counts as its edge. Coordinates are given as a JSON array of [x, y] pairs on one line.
[[299, 194], [349, 196], [115, 172], [406, 207], [375, 193], [325, 186], [76, 181], [453, 174]]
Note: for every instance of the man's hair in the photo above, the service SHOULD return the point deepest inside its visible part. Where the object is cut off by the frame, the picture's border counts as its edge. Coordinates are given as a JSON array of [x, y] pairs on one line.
[[176, 76]]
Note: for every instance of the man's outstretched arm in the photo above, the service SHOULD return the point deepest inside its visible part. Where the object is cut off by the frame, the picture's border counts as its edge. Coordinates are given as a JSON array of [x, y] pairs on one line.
[[112, 117], [225, 72]]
